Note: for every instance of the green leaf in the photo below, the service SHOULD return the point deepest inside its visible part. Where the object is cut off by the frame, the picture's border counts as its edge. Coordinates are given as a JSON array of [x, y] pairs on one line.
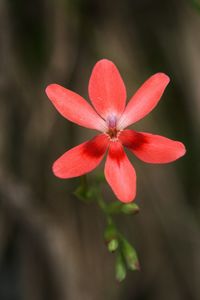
[[85, 194]]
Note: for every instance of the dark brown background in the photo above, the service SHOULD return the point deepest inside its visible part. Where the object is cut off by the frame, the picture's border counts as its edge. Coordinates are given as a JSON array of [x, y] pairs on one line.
[[51, 244]]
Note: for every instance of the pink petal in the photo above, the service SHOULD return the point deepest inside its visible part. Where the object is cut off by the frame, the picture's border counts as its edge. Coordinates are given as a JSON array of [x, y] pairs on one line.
[[152, 148], [106, 89], [120, 173], [144, 100], [82, 158], [74, 108]]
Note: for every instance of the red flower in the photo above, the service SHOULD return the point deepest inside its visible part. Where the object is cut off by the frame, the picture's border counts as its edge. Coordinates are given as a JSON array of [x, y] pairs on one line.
[[110, 116]]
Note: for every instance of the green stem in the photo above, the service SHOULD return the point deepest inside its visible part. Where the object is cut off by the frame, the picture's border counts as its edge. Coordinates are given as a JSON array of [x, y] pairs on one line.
[[104, 207], [101, 203], [84, 182], [126, 256]]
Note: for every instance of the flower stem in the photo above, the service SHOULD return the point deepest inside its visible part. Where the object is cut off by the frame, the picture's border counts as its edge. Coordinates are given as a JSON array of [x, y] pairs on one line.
[[126, 256]]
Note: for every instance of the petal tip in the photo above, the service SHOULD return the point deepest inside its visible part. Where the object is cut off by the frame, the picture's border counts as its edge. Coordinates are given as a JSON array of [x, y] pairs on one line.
[[126, 199], [163, 77], [49, 89], [104, 60], [182, 149], [56, 170]]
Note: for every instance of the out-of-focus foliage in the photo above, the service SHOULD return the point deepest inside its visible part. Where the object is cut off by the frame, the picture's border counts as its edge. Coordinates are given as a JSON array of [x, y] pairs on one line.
[[51, 244]]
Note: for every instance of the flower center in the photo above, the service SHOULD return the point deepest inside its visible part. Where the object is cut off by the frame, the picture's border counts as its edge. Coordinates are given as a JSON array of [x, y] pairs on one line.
[[112, 131]]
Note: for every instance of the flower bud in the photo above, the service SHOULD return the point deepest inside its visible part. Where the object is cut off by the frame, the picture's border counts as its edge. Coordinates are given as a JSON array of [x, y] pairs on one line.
[[130, 256], [113, 245], [120, 268], [130, 208]]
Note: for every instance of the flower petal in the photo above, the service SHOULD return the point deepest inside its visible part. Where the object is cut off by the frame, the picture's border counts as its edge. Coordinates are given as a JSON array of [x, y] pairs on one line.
[[106, 89], [120, 173], [144, 100], [82, 158], [152, 148], [74, 108]]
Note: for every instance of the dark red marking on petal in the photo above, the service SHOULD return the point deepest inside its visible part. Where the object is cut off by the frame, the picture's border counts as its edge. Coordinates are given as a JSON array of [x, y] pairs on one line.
[[152, 148], [116, 152], [120, 173], [96, 147], [82, 158], [132, 139]]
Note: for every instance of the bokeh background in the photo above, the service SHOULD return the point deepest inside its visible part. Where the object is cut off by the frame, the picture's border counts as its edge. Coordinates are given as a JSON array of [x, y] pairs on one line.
[[51, 244]]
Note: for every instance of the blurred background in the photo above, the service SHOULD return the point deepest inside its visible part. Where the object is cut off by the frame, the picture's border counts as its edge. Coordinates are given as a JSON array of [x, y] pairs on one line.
[[51, 244]]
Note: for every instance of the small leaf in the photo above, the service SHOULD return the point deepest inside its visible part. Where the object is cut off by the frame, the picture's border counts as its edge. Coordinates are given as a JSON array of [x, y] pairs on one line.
[[86, 195], [80, 193]]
